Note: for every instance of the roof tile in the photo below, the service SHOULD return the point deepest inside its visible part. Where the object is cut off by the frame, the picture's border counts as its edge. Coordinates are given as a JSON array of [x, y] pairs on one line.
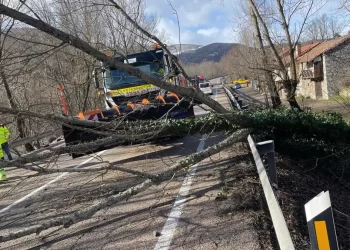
[[304, 49], [322, 48]]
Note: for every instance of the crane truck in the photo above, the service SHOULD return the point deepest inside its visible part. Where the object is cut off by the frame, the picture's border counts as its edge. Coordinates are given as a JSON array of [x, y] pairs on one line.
[[132, 98]]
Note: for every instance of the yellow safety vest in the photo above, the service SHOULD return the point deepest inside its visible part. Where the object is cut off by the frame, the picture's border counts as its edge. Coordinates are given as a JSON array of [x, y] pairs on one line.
[[4, 134], [161, 71]]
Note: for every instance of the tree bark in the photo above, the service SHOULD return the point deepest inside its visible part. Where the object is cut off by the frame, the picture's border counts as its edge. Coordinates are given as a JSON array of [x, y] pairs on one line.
[[275, 98], [292, 81]]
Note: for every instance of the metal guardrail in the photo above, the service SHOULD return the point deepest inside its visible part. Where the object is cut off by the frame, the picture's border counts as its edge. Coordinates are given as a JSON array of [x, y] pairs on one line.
[[30, 139], [319, 215], [281, 230], [318, 211], [232, 98], [248, 98], [282, 233]]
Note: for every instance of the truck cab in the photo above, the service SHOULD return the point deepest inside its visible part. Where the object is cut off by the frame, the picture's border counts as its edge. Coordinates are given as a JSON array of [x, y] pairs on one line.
[[121, 88]]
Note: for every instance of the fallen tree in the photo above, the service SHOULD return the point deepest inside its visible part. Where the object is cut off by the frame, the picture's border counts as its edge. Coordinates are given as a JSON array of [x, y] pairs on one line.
[[327, 130], [87, 212], [322, 129]]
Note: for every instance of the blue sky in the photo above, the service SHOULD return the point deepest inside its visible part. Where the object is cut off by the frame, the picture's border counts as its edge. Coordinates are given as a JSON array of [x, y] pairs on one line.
[[206, 21], [201, 21]]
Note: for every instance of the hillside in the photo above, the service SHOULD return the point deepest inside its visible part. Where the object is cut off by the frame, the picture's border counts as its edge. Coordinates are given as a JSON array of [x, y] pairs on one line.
[[212, 52]]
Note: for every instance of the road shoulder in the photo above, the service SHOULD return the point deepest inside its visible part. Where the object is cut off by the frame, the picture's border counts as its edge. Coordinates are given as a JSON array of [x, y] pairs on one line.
[[225, 208]]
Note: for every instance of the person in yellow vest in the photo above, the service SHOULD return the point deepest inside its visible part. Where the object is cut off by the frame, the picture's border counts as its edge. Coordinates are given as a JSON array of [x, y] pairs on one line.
[[158, 70], [161, 71], [3, 176], [1, 155], [4, 136]]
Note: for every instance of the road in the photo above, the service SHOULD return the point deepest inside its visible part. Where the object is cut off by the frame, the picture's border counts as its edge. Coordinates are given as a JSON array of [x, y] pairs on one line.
[[28, 199]]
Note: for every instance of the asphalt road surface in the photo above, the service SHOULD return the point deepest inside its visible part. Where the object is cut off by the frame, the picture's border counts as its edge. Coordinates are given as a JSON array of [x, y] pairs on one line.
[[28, 199]]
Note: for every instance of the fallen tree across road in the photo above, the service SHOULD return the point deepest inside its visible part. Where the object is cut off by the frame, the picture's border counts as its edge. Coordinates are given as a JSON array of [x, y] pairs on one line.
[[166, 175]]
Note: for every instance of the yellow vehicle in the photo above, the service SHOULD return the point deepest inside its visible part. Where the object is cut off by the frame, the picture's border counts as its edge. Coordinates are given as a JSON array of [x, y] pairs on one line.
[[240, 81]]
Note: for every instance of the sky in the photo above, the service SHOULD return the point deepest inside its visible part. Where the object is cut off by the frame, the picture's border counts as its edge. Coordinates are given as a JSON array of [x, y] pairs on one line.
[[205, 21], [201, 21]]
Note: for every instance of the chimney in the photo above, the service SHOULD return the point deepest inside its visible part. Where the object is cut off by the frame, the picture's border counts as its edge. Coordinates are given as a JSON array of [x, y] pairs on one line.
[[297, 51]]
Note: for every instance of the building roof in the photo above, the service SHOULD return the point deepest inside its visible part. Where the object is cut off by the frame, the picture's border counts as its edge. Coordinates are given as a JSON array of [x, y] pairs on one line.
[[304, 49], [322, 48]]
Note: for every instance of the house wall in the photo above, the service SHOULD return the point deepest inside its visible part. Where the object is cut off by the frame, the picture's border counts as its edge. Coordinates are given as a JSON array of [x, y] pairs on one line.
[[337, 64], [325, 94], [308, 87]]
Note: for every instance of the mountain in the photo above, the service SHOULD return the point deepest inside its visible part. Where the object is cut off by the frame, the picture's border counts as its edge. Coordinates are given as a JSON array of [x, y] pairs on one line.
[[212, 52]]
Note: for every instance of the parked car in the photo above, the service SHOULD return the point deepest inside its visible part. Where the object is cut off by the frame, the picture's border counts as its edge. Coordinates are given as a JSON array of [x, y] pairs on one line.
[[237, 86], [240, 81], [206, 88]]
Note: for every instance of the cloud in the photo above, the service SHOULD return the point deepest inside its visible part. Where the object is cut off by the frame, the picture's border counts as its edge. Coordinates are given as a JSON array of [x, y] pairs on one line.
[[201, 21], [207, 21], [208, 32]]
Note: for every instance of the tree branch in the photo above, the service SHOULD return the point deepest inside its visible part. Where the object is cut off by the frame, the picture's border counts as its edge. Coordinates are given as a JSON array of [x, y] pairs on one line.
[[87, 212], [85, 47]]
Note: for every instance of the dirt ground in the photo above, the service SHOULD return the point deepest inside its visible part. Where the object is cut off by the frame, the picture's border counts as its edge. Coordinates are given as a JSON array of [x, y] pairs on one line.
[[239, 202], [341, 106], [300, 181], [334, 105], [241, 191]]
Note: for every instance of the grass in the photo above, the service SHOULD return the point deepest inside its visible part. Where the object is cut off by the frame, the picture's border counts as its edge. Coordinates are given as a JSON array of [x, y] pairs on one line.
[[338, 99]]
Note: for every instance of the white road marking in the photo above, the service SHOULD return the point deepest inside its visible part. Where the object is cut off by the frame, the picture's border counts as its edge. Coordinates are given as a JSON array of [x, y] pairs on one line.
[[47, 184], [169, 228]]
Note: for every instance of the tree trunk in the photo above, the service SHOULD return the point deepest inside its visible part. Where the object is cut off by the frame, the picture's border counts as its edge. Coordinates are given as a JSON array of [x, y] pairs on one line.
[[271, 85], [290, 87], [19, 121], [292, 81], [288, 84]]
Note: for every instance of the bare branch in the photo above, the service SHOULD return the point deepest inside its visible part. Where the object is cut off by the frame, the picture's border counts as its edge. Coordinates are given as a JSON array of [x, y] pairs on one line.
[[83, 46], [87, 212]]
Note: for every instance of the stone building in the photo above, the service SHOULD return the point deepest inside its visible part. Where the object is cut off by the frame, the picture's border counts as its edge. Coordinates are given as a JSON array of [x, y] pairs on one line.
[[300, 50], [324, 70]]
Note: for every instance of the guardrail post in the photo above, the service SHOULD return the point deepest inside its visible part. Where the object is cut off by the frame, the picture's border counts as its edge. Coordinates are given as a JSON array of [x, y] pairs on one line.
[[268, 147], [320, 223], [279, 223]]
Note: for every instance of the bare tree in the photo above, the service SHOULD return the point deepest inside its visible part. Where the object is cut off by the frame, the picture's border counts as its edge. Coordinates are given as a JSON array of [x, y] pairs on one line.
[[283, 13], [276, 101], [324, 27], [8, 71]]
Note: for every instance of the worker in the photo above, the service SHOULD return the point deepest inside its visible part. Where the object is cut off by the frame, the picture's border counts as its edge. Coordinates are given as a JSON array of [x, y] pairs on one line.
[[1, 155], [3, 176], [158, 70], [4, 136]]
